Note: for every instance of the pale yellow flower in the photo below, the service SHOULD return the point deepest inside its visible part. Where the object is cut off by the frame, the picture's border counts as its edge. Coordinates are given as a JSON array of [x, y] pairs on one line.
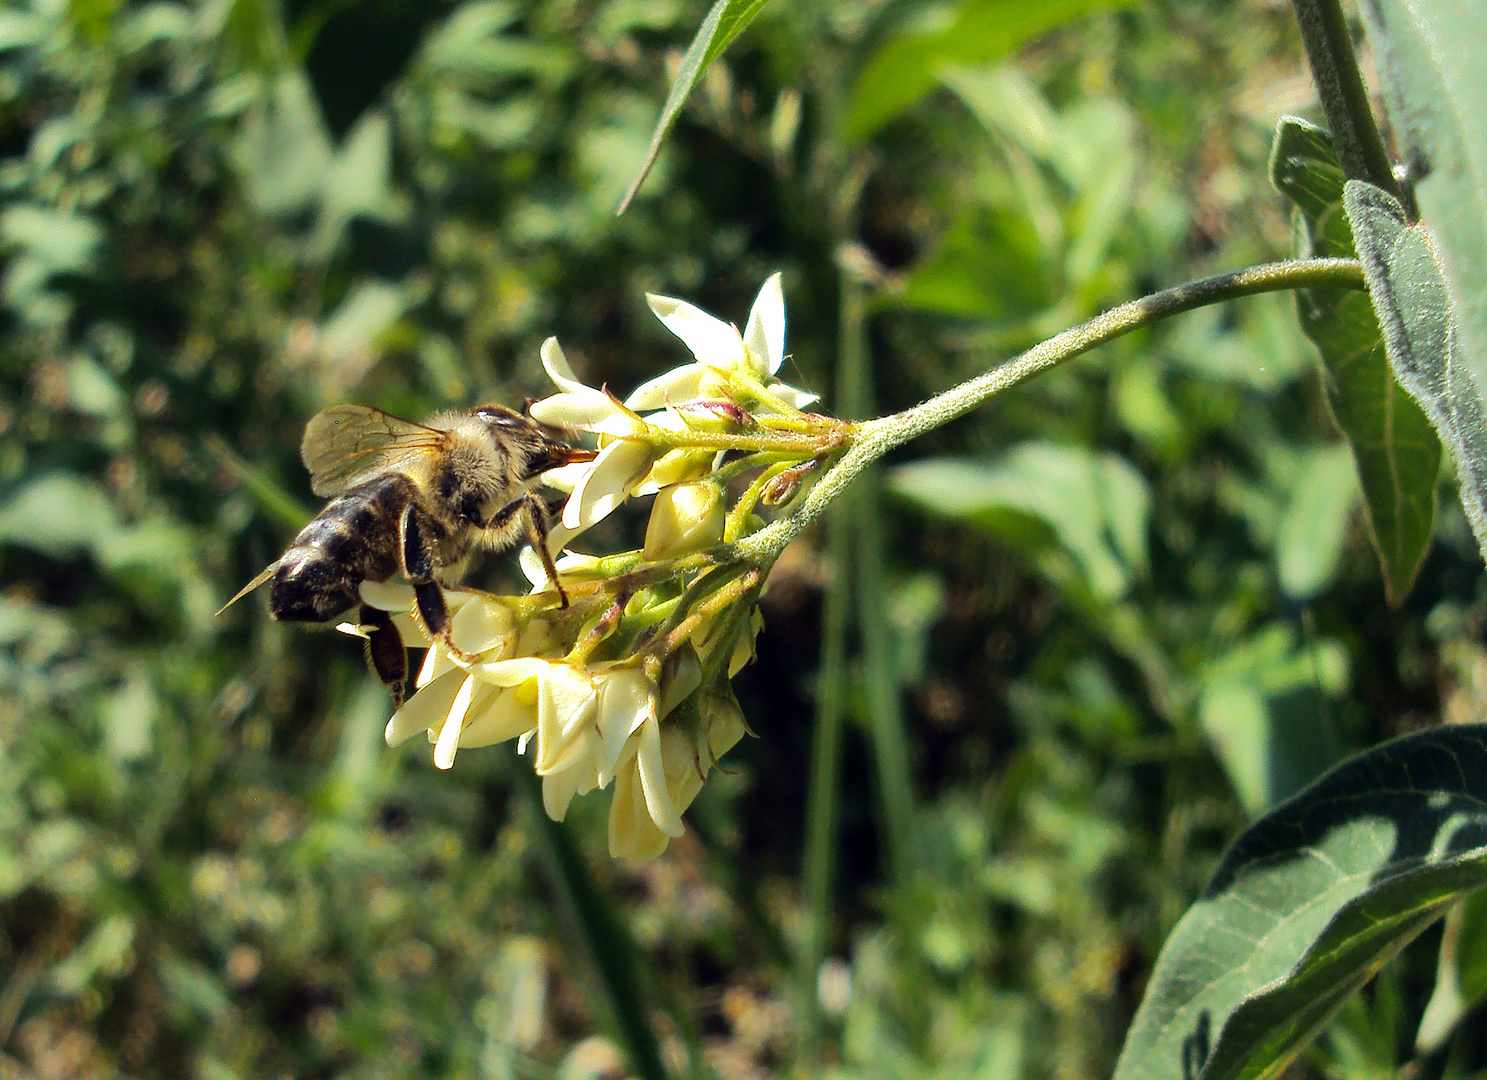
[[657, 783], [684, 518]]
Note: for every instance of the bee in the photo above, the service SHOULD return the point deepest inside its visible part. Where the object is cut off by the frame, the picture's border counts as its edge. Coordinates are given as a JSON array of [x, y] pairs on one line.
[[414, 499]]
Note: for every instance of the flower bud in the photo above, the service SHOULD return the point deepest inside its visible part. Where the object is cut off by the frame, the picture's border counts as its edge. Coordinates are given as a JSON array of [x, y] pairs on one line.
[[721, 416], [784, 487], [684, 518], [679, 466]]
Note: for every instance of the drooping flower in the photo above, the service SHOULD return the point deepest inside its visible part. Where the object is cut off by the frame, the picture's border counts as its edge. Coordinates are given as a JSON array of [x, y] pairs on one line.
[[670, 763]]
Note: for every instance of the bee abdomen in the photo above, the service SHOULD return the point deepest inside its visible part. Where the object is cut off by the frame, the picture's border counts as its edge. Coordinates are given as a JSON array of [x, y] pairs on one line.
[[353, 539]]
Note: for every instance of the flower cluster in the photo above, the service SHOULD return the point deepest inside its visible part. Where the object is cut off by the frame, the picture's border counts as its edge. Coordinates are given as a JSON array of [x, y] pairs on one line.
[[628, 686]]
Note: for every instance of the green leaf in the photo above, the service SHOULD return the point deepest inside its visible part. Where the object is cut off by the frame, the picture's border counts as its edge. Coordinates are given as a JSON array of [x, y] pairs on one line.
[[1314, 527], [1435, 92], [60, 514], [1045, 496], [724, 22], [283, 150], [908, 67], [1262, 708], [1393, 446], [1409, 296], [1309, 903], [1461, 974], [988, 265]]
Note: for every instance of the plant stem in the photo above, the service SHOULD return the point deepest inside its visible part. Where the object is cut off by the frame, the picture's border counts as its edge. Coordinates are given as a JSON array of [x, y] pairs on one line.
[[609, 945], [823, 795], [876, 437], [1334, 68], [884, 715]]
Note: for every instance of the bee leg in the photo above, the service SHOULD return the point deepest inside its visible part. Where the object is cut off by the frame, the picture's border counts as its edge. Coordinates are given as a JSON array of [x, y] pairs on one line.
[[385, 652], [418, 568], [538, 520]]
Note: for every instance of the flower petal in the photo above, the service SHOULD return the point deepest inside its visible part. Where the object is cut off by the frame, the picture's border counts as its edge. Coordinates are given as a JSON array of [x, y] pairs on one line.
[[685, 767], [436, 662], [497, 719], [606, 486], [557, 536], [424, 709], [449, 735], [582, 411], [565, 477], [715, 343], [725, 723], [676, 387], [411, 628], [627, 699], [511, 672], [683, 677], [632, 833], [793, 395], [764, 340], [387, 595], [652, 769], [566, 706], [558, 790], [555, 361], [482, 627]]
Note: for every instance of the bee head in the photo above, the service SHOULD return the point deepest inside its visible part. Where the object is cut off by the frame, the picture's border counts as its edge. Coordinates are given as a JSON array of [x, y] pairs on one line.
[[500, 418], [546, 444]]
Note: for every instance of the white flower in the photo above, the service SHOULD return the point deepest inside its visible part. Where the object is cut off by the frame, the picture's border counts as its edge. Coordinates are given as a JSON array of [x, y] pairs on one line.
[[595, 487], [577, 405], [728, 363]]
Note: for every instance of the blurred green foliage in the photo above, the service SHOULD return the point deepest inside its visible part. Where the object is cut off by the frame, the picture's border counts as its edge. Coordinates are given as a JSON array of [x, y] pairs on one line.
[[1131, 605]]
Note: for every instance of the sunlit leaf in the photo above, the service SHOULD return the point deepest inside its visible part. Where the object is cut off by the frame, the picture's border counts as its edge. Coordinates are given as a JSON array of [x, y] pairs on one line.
[[284, 149], [907, 67], [1309, 903], [60, 514], [1094, 506], [1396, 453], [1263, 708], [1409, 297], [726, 20], [1314, 527], [1435, 90]]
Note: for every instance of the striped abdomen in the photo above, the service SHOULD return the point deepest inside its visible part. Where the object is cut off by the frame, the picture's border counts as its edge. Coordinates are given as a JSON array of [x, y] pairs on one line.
[[353, 539]]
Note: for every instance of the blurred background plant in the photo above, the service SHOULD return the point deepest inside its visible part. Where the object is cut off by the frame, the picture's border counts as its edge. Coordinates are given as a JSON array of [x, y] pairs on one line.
[[1072, 643]]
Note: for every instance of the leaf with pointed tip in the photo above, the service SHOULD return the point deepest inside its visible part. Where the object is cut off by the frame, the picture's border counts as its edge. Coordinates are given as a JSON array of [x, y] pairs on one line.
[[1435, 91], [1309, 903], [724, 22], [980, 31], [1396, 452], [1409, 295]]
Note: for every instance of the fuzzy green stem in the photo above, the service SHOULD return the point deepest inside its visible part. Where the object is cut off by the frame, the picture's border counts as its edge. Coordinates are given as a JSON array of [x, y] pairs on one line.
[[743, 510], [800, 445], [722, 596], [874, 438], [1334, 68]]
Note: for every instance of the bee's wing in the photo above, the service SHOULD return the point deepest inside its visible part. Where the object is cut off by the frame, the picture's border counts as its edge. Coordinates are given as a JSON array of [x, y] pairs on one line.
[[343, 442]]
